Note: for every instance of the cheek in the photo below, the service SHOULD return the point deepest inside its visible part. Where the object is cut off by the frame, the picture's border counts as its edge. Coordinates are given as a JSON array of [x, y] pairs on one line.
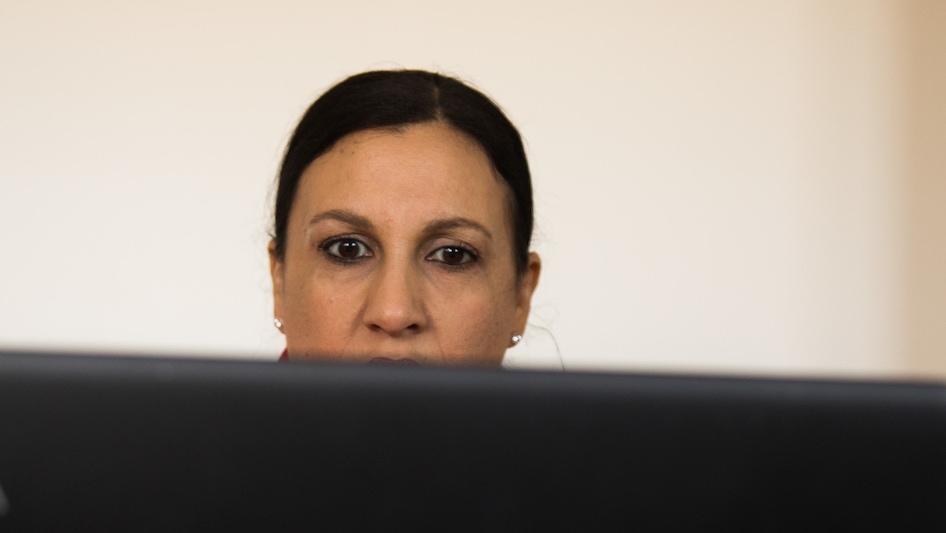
[[322, 314], [473, 322]]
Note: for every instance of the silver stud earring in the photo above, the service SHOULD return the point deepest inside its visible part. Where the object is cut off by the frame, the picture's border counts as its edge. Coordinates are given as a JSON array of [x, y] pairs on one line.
[[278, 323], [516, 338]]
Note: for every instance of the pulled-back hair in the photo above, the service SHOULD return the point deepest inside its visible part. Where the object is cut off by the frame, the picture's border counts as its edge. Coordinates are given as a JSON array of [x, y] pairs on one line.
[[396, 98]]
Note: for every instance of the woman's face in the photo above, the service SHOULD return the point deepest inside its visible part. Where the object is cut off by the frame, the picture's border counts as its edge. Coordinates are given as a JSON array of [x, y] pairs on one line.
[[400, 245]]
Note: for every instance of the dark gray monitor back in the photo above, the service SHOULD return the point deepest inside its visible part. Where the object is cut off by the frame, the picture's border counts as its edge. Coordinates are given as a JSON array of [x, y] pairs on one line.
[[130, 444]]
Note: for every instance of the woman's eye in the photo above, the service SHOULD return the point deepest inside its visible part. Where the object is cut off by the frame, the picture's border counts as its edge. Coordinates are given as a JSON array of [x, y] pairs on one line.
[[452, 255], [347, 249]]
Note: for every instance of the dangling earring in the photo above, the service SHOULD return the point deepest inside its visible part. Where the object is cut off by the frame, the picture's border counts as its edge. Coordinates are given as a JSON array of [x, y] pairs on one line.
[[516, 338], [278, 323]]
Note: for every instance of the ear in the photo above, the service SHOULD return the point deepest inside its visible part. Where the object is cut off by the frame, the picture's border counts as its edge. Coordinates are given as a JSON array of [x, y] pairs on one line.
[[527, 284], [276, 268]]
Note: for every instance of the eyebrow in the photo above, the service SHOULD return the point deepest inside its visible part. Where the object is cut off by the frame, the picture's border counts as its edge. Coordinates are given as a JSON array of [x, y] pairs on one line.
[[344, 216], [436, 226]]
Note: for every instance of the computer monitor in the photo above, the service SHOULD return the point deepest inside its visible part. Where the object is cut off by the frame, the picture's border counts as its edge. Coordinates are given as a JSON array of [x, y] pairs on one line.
[[148, 444]]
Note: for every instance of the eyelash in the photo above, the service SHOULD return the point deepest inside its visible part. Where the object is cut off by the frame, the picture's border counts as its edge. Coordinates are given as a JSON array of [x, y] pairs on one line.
[[326, 246], [469, 256]]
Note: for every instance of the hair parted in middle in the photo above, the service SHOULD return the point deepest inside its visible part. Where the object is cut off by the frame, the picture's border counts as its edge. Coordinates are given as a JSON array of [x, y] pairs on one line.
[[389, 99]]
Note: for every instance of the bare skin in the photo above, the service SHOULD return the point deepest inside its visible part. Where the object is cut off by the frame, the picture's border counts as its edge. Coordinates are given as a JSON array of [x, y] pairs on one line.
[[400, 245]]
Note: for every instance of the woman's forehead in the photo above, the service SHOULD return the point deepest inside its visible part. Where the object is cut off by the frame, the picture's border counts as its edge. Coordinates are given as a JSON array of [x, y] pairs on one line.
[[415, 174]]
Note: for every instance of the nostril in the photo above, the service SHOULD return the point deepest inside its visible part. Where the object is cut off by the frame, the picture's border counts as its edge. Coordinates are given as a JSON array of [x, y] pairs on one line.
[[393, 307], [395, 331]]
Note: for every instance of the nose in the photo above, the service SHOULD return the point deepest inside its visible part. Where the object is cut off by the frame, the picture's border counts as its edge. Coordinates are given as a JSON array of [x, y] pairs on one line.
[[395, 305]]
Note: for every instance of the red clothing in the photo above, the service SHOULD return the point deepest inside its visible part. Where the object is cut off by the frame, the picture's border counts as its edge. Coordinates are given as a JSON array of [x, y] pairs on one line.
[[285, 355]]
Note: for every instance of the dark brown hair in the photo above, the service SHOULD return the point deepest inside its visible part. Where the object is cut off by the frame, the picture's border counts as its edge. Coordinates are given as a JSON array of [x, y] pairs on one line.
[[393, 98]]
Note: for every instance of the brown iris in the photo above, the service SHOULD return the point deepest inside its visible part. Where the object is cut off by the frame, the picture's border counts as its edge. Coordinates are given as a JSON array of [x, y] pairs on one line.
[[349, 249], [452, 255]]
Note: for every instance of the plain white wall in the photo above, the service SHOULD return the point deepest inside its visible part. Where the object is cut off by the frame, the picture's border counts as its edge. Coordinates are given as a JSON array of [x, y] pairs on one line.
[[719, 185]]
